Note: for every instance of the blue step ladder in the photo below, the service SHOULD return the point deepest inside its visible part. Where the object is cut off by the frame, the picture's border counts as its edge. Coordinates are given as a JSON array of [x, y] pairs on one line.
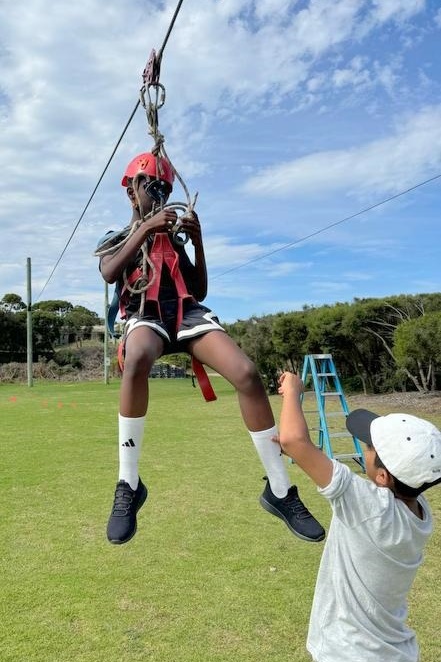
[[320, 369]]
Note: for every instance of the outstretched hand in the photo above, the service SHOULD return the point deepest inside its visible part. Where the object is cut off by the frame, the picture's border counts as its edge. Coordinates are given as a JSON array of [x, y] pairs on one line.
[[289, 382], [295, 440]]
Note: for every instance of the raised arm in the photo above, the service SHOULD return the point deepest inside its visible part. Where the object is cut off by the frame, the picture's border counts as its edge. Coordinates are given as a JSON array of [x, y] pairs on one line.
[[199, 281], [294, 434], [113, 265]]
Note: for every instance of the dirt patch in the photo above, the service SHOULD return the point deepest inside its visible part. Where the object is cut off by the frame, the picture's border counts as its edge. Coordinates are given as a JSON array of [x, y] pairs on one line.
[[428, 403]]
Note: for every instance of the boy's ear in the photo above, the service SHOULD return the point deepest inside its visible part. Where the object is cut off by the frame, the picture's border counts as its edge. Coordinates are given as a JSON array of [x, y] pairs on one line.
[[131, 196], [383, 478]]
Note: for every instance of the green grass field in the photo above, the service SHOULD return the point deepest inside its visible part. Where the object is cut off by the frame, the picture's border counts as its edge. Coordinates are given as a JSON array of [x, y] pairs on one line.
[[209, 577]]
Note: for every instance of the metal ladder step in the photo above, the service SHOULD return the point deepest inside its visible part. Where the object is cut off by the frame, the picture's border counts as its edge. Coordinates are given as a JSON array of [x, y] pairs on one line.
[[332, 435], [330, 414], [348, 456], [320, 372]]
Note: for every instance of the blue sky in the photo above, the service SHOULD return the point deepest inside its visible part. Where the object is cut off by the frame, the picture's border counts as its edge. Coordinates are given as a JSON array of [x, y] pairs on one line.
[[285, 116]]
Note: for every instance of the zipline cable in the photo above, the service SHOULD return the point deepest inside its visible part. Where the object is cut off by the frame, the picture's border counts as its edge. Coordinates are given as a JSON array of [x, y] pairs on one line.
[[90, 200], [172, 23], [158, 57], [327, 227]]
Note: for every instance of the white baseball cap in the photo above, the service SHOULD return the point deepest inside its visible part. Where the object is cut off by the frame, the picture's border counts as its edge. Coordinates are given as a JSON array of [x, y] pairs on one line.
[[408, 446]]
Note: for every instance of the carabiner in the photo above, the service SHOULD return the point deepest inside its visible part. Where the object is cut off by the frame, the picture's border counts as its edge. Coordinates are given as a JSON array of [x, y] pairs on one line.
[[180, 237]]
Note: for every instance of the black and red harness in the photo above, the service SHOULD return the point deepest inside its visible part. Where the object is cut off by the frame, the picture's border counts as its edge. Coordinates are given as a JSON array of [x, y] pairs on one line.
[[162, 252]]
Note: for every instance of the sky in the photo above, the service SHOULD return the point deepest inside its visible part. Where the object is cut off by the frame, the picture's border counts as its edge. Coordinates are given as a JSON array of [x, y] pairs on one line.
[[286, 116]]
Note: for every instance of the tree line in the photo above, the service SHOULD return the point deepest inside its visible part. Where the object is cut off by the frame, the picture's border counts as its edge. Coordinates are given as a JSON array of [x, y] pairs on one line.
[[378, 344], [53, 322]]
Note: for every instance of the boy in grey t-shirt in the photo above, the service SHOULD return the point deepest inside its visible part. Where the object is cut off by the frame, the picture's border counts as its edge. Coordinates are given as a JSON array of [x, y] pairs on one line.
[[378, 530]]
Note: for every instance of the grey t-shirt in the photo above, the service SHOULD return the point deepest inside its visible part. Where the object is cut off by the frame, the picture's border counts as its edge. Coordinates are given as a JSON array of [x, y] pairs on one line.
[[372, 553]]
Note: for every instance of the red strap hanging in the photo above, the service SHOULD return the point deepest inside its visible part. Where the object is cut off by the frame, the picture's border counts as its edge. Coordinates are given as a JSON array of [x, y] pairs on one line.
[[162, 252], [203, 380]]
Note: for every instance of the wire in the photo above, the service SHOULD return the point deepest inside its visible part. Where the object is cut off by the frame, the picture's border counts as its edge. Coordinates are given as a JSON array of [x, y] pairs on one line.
[[172, 22], [328, 227], [90, 199], [160, 52]]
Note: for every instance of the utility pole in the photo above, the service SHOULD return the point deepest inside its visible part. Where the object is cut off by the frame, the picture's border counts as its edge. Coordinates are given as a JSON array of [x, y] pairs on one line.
[[106, 334], [29, 322]]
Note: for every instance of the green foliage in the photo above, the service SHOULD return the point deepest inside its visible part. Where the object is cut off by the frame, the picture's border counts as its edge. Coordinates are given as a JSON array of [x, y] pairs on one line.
[[359, 335], [418, 339], [417, 348], [12, 303], [79, 316], [46, 328], [79, 321], [180, 360], [289, 334], [56, 306], [67, 356], [49, 319], [254, 337], [12, 333], [379, 344]]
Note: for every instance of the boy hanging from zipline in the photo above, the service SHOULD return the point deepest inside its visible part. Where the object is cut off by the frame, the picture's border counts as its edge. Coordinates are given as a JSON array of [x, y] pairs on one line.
[[160, 292]]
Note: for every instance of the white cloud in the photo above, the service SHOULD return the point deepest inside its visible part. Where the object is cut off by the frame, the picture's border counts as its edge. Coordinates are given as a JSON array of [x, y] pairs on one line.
[[388, 165], [329, 285], [355, 74], [223, 254], [266, 9], [288, 268], [385, 10], [356, 276]]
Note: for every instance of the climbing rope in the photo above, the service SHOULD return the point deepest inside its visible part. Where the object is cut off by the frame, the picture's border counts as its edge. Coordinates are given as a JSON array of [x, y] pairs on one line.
[[152, 98], [155, 92]]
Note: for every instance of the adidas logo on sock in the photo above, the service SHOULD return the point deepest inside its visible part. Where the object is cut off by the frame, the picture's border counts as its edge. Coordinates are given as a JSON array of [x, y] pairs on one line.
[[129, 444]]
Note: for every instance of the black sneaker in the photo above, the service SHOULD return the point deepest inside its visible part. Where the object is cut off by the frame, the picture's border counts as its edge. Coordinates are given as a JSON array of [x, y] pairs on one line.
[[293, 512], [122, 521]]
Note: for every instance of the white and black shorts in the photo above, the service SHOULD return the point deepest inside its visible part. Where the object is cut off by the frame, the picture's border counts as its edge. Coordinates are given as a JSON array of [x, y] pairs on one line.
[[197, 320]]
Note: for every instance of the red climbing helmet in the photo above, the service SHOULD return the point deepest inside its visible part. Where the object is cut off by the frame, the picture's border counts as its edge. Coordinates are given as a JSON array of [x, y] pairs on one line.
[[147, 163]]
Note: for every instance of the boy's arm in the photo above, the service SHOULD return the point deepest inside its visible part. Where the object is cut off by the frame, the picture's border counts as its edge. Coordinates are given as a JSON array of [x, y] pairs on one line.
[[199, 285], [294, 434], [113, 264]]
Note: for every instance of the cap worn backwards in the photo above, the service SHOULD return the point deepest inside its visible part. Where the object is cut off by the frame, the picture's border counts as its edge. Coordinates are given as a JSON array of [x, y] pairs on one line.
[[408, 446]]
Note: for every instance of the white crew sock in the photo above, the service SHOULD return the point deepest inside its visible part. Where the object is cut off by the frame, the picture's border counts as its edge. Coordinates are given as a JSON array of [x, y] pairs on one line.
[[131, 431], [272, 459]]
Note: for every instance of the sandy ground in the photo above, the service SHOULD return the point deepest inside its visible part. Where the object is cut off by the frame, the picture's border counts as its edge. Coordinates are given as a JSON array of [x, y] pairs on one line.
[[421, 404]]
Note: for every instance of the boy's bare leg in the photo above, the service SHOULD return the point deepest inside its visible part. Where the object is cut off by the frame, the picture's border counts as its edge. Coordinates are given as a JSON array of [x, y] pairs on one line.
[[217, 350], [143, 346]]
